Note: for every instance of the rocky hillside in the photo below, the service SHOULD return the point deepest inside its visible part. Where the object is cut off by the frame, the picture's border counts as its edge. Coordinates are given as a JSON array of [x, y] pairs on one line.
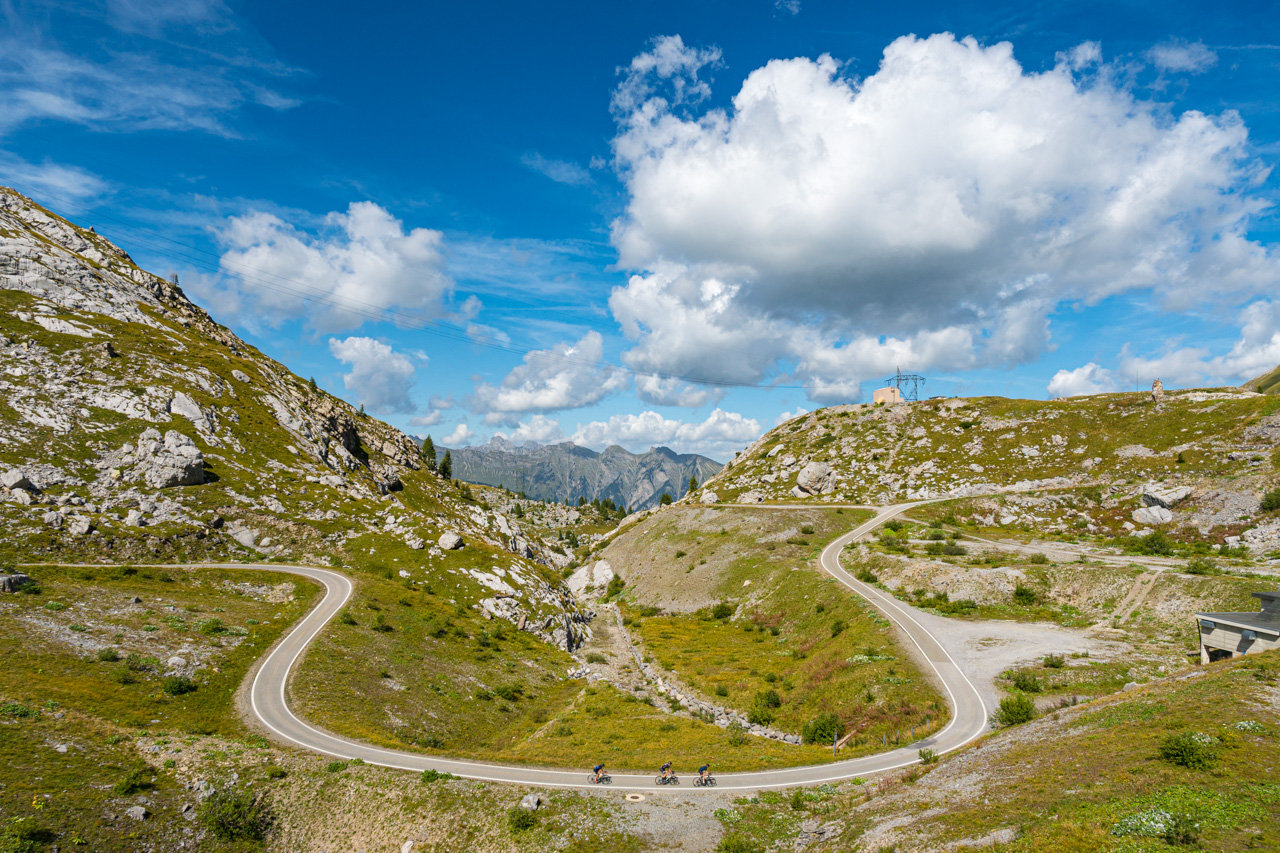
[[565, 471], [1267, 383], [136, 428], [1196, 459]]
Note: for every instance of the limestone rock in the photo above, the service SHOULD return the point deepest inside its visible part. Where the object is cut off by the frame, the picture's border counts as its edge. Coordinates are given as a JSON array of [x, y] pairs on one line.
[[79, 526], [23, 497], [752, 497], [134, 519], [1152, 515], [13, 582], [136, 812], [15, 479], [709, 497], [530, 802], [450, 541], [1157, 391], [1165, 496], [414, 542], [816, 478], [241, 377], [593, 576], [53, 518], [172, 461]]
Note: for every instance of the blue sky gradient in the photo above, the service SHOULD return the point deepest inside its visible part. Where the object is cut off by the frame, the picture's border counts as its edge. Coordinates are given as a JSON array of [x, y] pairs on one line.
[[544, 221]]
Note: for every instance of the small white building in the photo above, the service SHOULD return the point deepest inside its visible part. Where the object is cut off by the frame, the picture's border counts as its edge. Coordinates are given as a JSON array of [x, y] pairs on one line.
[[1230, 635], [888, 396]]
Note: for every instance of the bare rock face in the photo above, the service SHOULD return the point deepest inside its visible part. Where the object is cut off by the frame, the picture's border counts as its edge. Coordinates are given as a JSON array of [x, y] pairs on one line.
[[172, 461], [15, 479], [14, 582], [816, 478], [1165, 496], [752, 497], [451, 541], [593, 576], [1157, 391], [1152, 516]]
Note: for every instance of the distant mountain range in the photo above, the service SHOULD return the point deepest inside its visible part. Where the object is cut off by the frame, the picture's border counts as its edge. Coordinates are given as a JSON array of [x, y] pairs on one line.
[[566, 471]]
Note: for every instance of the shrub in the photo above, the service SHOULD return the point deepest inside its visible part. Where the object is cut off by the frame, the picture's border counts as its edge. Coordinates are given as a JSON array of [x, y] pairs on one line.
[[519, 820], [137, 779], [596, 657], [722, 611], [797, 799], [55, 606], [510, 692], [1026, 682], [738, 844], [336, 766], [1054, 661], [380, 624], [837, 628], [1182, 831], [1025, 595], [345, 618], [1038, 559], [21, 836], [1202, 566], [275, 771], [820, 608], [737, 734], [679, 554], [615, 587], [866, 576], [108, 655], [928, 756], [211, 627], [1271, 500], [1015, 710], [432, 775], [935, 535], [178, 685], [236, 815], [721, 690], [822, 729], [807, 529], [1189, 749]]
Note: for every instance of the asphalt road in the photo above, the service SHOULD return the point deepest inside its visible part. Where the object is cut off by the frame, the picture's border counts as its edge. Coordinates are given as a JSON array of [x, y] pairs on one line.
[[267, 696]]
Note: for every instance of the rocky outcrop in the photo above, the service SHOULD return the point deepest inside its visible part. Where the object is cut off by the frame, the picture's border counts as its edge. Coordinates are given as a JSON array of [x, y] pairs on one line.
[[1164, 496], [13, 582], [15, 479], [816, 478], [1152, 516], [591, 578], [164, 463]]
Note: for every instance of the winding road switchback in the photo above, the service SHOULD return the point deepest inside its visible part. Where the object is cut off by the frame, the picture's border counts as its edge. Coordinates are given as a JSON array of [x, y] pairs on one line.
[[269, 703]]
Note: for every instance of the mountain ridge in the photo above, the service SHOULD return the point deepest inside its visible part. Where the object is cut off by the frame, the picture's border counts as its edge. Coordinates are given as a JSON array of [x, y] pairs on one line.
[[567, 471]]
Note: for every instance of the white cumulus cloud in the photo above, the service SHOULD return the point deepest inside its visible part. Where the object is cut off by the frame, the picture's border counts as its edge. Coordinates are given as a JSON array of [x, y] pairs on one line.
[[1177, 55], [539, 428], [461, 436], [567, 376], [380, 378], [719, 436], [363, 261], [1255, 352], [1088, 379], [935, 213]]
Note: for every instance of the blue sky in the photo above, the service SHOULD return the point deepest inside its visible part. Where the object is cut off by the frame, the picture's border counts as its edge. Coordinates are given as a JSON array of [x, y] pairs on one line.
[[672, 223]]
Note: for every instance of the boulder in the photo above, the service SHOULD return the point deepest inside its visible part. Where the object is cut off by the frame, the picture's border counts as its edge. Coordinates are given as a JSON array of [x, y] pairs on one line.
[[709, 497], [530, 802], [172, 461], [450, 541], [414, 542], [79, 526], [23, 497], [816, 478], [13, 582], [240, 376], [15, 479], [752, 497], [136, 812], [53, 518], [1165, 496], [1152, 515], [593, 576], [134, 519]]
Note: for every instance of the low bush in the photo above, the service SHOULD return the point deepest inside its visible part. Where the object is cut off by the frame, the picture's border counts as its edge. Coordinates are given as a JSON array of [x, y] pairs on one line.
[[1038, 559], [345, 618], [928, 756], [1182, 831], [615, 587], [738, 844], [178, 685], [1054, 661], [137, 779], [429, 776], [797, 799], [837, 627], [1015, 710], [596, 657], [510, 692], [108, 655], [275, 771], [722, 610], [737, 733], [866, 576], [336, 766], [1271, 500], [520, 820], [721, 690], [807, 529], [236, 815], [1025, 596], [212, 627], [1192, 750], [380, 624], [1026, 682], [822, 729], [1202, 566]]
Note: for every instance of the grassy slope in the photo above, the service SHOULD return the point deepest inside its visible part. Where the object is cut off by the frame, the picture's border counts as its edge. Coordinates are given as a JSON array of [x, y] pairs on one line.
[[764, 564], [866, 442], [1066, 782], [1267, 383]]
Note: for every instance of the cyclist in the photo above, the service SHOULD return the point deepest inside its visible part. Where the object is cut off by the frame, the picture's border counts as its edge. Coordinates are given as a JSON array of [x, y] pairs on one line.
[[599, 771], [704, 773], [666, 771]]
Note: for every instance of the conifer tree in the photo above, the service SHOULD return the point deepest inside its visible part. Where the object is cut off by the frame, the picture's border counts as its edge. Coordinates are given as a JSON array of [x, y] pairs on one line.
[[429, 453], [446, 466]]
